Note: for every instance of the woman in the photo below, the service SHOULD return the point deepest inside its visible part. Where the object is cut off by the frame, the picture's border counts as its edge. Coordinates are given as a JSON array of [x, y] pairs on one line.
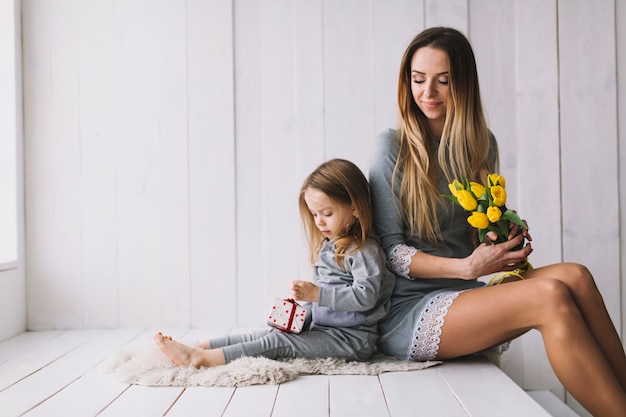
[[439, 309]]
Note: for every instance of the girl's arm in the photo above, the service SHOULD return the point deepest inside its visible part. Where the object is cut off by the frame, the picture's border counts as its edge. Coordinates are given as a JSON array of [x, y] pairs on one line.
[[305, 291], [371, 282]]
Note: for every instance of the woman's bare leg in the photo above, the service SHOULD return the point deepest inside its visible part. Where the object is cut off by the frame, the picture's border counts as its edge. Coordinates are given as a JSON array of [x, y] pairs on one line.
[[183, 355], [484, 317], [583, 288]]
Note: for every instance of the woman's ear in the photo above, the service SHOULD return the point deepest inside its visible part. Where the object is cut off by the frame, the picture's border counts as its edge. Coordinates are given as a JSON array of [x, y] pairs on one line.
[[355, 213]]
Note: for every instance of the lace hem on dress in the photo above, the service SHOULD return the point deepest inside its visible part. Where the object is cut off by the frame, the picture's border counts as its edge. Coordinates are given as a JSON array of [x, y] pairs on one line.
[[427, 332]]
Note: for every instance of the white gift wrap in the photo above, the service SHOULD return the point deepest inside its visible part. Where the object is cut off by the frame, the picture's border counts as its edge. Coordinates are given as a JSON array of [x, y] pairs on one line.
[[287, 315]]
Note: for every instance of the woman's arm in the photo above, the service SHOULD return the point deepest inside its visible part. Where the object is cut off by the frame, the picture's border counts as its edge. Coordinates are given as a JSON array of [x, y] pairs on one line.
[[410, 262], [486, 259]]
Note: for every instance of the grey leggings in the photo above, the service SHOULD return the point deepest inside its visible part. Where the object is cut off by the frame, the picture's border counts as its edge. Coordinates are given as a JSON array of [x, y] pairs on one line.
[[318, 342]]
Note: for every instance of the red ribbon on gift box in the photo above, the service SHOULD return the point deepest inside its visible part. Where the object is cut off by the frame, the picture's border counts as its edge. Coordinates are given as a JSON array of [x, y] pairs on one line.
[[293, 312], [287, 327]]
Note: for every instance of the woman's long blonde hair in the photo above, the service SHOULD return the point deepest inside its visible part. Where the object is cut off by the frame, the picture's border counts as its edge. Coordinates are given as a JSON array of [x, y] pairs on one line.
[[343, 182], [464, 146]]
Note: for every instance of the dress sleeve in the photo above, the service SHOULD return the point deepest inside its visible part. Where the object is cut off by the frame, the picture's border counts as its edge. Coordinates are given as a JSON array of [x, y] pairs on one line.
[[400, 259], [388, 221]]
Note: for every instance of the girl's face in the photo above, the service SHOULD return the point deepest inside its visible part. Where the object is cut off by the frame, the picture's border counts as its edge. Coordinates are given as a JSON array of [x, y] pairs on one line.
[[331, 218], [430, 70]]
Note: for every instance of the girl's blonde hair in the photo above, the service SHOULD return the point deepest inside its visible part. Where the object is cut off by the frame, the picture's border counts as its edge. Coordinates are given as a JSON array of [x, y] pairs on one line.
[[343, 182], [464, 149]]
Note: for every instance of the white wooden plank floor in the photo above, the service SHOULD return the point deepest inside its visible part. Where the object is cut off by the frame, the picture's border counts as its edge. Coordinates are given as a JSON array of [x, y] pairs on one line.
[[56, 374]]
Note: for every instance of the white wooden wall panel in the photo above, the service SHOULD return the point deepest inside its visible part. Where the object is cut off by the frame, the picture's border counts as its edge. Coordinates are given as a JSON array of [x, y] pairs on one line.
[[52, 160], [279, 177], [152, 184], [394, 28], [452, 13], [309, 123], [348, 68], [248, 103], [212, 197], [494, 47], [537, 174], [173, 219], [265, 165], [66, 168], [96, 51], [166, 143], [620, 7], [589, 142], [537, 128]]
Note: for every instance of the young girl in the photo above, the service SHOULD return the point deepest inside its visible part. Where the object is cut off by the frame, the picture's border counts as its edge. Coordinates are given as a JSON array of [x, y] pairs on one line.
[[439, 309], [351, 287]]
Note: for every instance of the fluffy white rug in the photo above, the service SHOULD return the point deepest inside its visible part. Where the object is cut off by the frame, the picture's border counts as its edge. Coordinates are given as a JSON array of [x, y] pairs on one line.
[[149, 366]]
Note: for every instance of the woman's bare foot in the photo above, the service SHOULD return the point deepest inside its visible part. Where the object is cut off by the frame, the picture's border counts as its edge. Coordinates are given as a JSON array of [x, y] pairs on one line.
[[178, 353]]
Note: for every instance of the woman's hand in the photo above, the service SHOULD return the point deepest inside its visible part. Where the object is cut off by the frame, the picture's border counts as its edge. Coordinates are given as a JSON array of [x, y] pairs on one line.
[[305, 291], [488, 258], [514, 230]]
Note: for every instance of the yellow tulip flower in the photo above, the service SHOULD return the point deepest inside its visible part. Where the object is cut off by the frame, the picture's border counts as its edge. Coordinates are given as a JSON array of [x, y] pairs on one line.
[[478, 189], [454, 187], [499, 195], [466, 200], [494, 214], [478, 220], [497, 180]]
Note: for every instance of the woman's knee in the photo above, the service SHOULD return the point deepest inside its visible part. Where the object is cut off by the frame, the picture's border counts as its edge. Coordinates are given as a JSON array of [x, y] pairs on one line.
[[575, 276], [579, 280], [582, 274], [553, 295]]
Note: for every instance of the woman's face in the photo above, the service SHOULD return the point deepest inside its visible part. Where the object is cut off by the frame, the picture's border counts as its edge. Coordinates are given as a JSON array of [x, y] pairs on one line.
[[430, 70]]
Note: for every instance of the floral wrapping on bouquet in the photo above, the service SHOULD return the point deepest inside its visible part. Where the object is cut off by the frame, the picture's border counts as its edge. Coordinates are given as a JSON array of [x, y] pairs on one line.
[[487, 205], [287, 315]]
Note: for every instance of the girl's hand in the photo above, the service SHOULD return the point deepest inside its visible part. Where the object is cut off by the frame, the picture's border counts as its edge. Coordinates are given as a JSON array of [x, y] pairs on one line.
[[305, 291], [488, 258]]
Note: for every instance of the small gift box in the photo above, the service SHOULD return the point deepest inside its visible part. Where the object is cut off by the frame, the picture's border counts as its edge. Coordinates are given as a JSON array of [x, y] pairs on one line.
[[287, 316]]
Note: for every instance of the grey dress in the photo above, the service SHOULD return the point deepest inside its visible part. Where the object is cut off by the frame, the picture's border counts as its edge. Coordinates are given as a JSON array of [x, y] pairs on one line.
[[418, 306]]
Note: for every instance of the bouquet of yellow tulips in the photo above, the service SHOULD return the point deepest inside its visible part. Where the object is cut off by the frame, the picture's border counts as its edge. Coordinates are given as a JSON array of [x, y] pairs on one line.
[[487, 206]]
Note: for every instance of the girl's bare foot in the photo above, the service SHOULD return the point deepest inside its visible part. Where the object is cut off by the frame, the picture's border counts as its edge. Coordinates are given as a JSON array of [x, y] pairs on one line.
[[183, 355], [178, 353], [204, 345]]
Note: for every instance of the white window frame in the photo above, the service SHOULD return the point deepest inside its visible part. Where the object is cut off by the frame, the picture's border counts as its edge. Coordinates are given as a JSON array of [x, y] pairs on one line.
[[10, 133]]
